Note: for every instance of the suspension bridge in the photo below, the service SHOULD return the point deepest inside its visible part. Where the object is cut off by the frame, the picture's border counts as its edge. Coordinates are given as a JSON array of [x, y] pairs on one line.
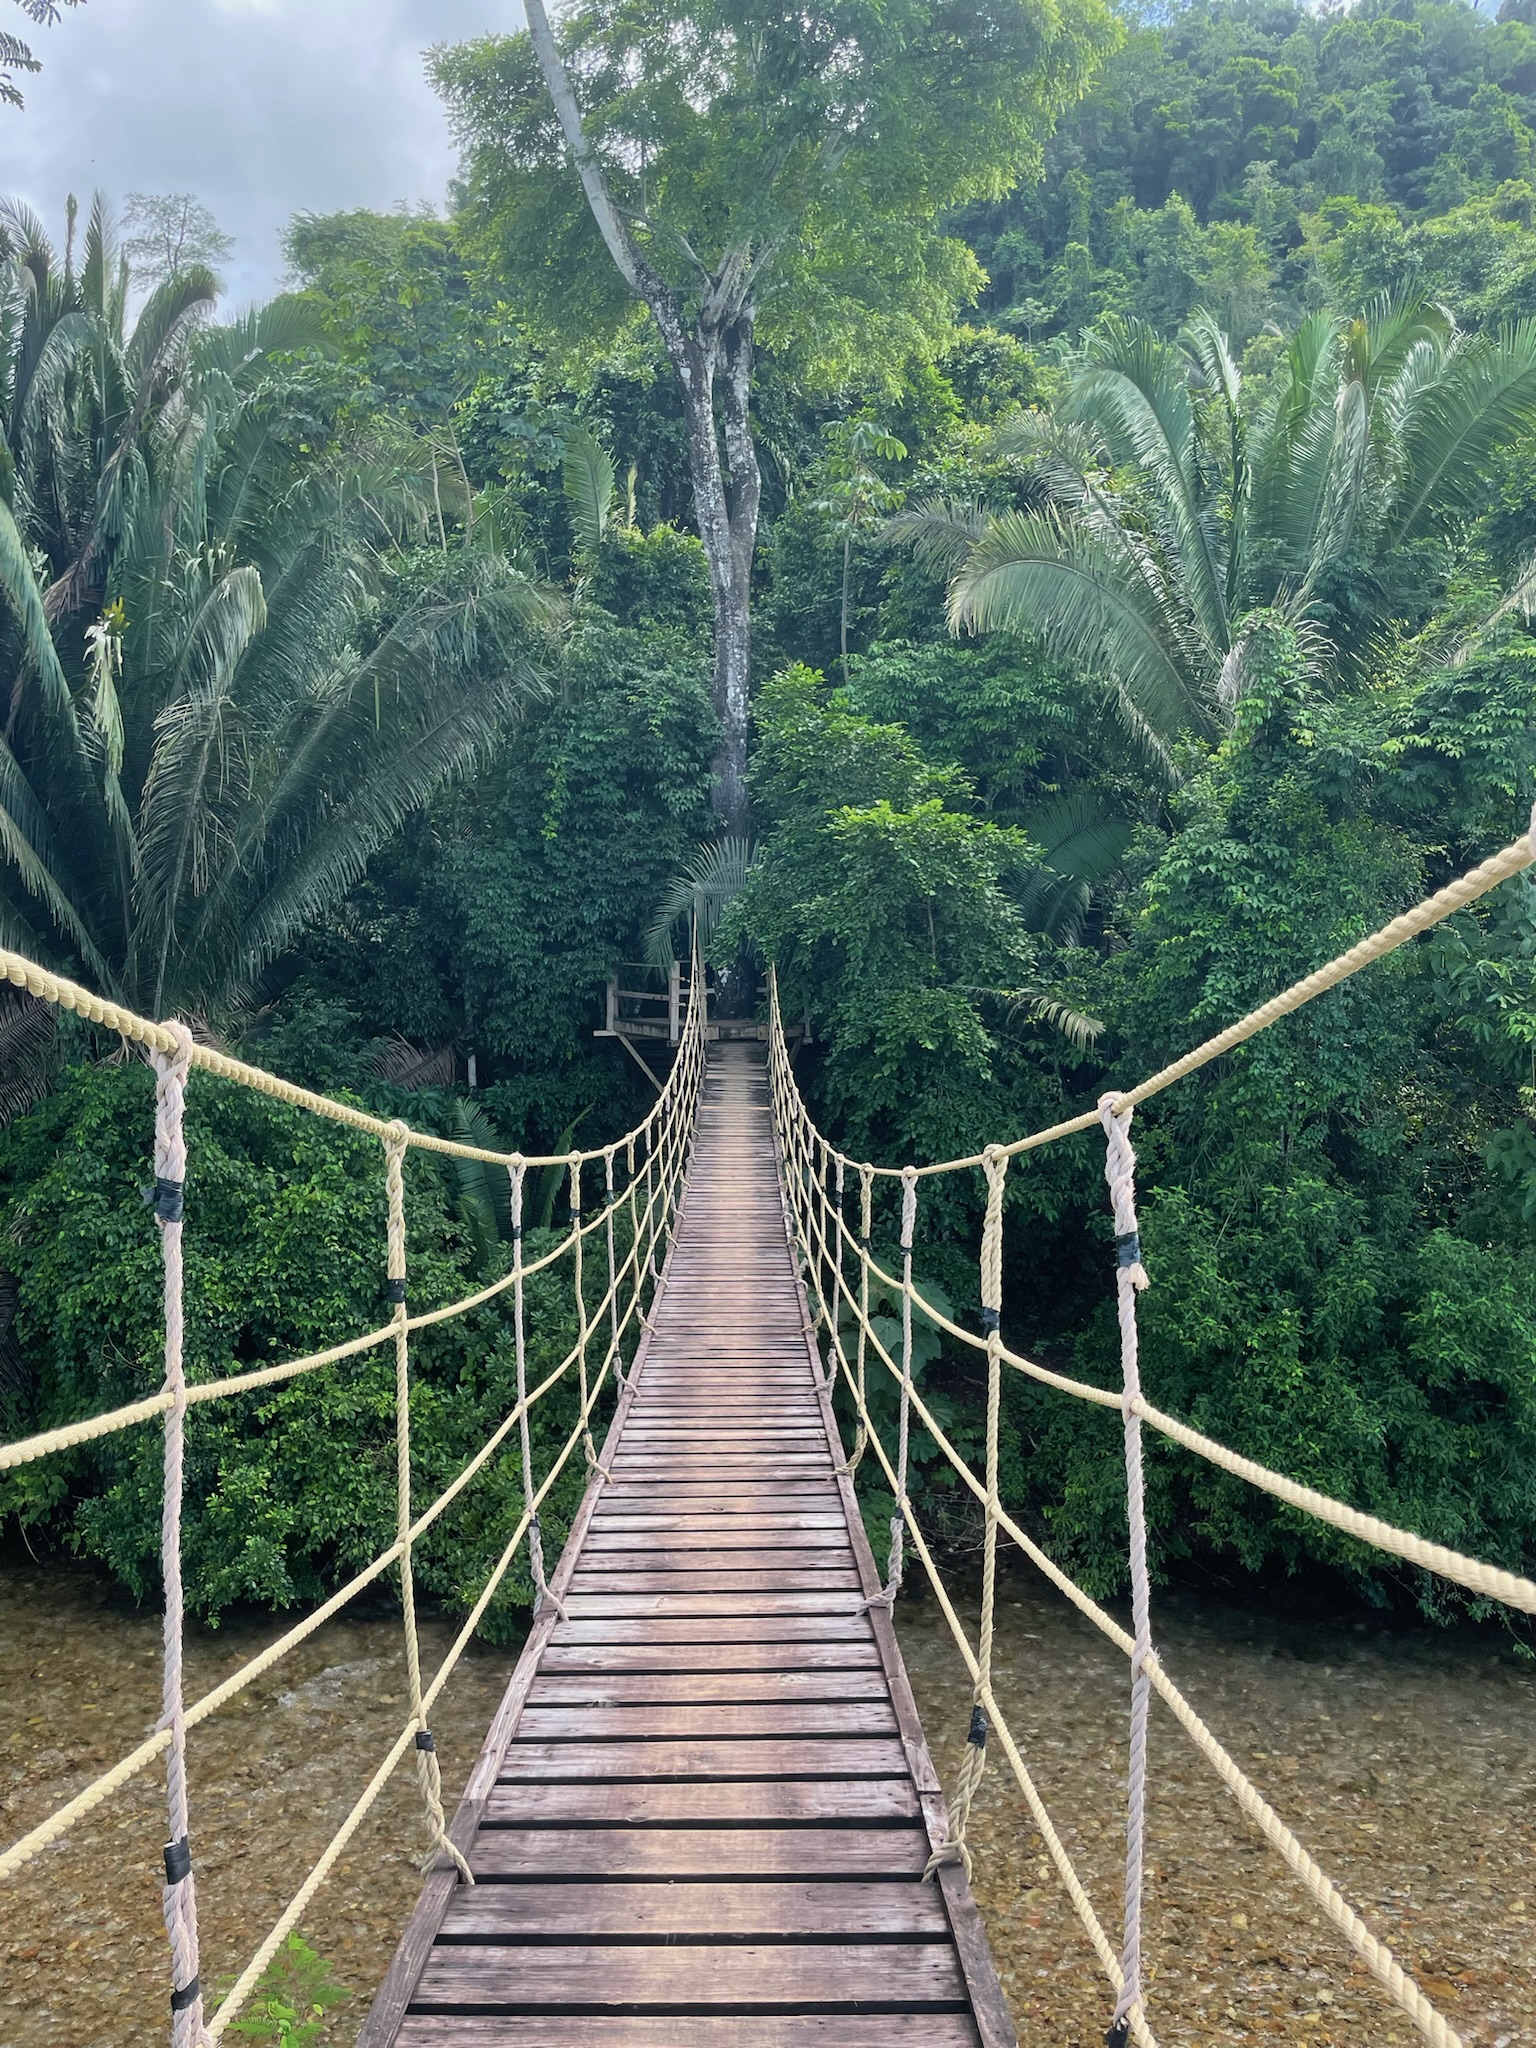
[[705, 1815]]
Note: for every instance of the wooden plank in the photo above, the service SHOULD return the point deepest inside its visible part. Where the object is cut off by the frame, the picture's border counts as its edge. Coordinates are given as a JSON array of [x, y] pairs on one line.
[[719, 1628], [604, 1540], [764, 1559], [616, 1688], [725, 1606], [764, 1575], [811, 1525], [774, 1719], [722, 1657], [879, 1974], [742, 1911], [813, 1757], [712, 2030], [747, 1801]]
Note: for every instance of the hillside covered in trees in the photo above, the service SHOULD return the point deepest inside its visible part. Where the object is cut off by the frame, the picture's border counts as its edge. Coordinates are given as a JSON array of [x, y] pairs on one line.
[[1123, 516]]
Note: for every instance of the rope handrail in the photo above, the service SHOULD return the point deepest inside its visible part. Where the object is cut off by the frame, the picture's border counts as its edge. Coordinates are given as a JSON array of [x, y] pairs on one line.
[[68, 1434], [64, 994], [821, 1235], [626, 1229], [1491, 1581], [1374, 1953]]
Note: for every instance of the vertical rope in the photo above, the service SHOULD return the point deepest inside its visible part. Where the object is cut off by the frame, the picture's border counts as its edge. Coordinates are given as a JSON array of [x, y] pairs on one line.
[[168, 1197], [614, 1352], [583, 1328], [832, 1241], [974, 1761], [652, 1205], [866, 1207], [816, 1193], [1130, 1279], [904, 1427], [428, 1776], [518, 1173]]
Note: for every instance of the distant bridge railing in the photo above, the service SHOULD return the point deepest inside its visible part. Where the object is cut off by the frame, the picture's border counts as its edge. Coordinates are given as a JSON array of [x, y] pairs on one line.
[[642, 1177], [839, 1268]]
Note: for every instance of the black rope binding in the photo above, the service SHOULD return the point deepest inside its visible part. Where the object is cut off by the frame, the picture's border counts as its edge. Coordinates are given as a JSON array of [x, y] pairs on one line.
[[189, 1994], [1118, 2035], [976, 1734], [178, 1861], [991, 1319], [394, 1290], [1128, 1249], [425, 1739], [167, 1199]]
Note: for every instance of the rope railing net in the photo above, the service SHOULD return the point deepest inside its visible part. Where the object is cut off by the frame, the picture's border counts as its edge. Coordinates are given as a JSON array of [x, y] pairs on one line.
[[842, 1272], [626, 1232]]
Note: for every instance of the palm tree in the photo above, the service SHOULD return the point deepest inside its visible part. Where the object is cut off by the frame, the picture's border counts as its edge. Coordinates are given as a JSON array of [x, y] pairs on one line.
[[233, 667], [1171, 513]]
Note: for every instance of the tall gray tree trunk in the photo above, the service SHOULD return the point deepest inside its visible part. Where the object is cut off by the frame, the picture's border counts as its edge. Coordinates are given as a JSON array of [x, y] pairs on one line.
[[727, 497], [715, 348]]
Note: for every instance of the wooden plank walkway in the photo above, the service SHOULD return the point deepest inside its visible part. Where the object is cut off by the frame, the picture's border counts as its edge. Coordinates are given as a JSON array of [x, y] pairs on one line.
[[701, 1816]]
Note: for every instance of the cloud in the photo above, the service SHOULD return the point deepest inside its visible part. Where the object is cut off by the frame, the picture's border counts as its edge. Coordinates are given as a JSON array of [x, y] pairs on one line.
[[263, 108]]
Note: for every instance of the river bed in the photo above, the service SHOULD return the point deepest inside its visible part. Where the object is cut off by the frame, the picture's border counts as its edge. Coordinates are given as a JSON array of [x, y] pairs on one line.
[[1405, 1759]]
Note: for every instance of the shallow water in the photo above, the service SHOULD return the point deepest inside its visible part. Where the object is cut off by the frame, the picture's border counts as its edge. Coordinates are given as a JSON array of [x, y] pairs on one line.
[[83, 1948], [1406, 1762]]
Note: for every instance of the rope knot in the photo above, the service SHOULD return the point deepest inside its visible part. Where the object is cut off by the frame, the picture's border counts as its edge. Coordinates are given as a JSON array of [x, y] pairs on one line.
[[1120, 1172], [994, 1164], [908, 1206]]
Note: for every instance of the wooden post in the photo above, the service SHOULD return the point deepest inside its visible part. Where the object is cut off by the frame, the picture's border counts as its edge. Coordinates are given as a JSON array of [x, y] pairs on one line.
[[613, 1001], [675, 1002]]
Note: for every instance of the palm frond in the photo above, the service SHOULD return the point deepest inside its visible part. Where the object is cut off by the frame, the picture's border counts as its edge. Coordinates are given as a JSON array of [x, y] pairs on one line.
[[1134, 388], [1082, 842], [1093, 603], [1343, 486], [19, 587], [588, 479], [940, 532], [701, 892], [1519, 597], [1485, 396], [28, 1037], [1079, 1029]]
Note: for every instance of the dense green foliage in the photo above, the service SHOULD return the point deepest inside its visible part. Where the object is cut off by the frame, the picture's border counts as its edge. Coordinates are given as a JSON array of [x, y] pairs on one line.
[[1118, 656], [291, 1488]]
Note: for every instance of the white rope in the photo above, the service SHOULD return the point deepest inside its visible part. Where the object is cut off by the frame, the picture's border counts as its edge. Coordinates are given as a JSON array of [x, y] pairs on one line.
[[428, 1772], [613, 1299], [584, 1327], [896, 1559], [1130, 1279], [179, 1893], [904, 1424], [541, 1592], [974, 1760]]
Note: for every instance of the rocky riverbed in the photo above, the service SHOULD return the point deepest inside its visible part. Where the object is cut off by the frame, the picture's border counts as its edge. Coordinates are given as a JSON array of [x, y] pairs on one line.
[[1405, 1759]]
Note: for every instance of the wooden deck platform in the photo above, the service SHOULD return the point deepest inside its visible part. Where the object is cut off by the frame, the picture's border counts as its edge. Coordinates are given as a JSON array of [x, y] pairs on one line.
[[701, 1816]]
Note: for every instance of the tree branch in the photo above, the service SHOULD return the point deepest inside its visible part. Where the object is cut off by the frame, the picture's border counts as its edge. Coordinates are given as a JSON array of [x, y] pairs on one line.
[[633, 268]]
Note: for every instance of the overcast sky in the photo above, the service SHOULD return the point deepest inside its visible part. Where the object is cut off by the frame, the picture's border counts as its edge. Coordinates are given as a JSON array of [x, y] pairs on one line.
[[263, 108]]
